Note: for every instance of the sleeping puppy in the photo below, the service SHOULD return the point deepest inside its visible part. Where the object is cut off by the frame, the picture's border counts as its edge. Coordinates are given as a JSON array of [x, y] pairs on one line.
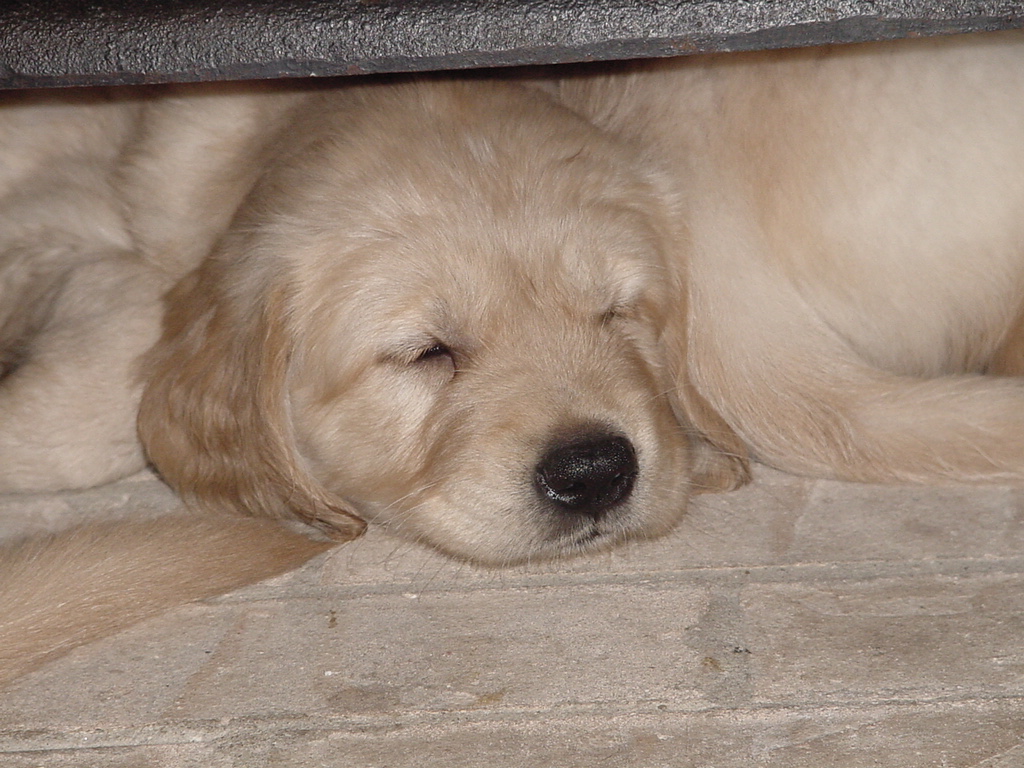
[[434, 305], [519, 318], [438, 309]]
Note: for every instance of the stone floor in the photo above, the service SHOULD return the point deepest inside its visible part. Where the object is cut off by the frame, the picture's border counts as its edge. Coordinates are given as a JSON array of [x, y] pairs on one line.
[[799, 624]]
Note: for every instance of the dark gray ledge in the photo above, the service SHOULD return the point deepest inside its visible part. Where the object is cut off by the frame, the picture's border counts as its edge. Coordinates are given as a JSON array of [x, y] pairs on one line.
[[69, 42]]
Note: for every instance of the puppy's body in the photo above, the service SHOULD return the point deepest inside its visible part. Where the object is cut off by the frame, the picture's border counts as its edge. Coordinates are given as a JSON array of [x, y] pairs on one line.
[[856, 243], [522, 318]]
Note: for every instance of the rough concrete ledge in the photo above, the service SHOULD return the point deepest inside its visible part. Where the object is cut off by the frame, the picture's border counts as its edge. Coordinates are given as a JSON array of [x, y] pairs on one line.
[[795, 623], [69, 42]]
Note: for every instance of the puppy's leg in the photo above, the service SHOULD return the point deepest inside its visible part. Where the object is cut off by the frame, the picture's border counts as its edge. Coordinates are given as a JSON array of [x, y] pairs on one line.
[[74, 587], [795, 391], [871, 426], [69, 398]]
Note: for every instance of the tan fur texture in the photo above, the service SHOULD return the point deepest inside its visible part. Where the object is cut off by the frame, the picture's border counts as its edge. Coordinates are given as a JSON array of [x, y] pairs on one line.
[[401, 302], [67, 589], [856, 242]]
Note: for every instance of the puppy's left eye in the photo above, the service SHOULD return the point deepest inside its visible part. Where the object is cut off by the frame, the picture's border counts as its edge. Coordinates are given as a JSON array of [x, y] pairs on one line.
[[436, 351]]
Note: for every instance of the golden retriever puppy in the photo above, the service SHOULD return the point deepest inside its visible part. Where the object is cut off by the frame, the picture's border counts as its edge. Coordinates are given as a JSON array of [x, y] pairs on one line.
[[434, 305], [439, 309], [528, 317]]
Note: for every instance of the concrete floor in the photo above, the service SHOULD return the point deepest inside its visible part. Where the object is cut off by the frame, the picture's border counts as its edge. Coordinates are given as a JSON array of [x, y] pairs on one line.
[[795, 623]]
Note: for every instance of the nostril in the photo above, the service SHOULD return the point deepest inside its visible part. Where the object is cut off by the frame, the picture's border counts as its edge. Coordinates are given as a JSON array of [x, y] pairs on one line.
[[588, 476]]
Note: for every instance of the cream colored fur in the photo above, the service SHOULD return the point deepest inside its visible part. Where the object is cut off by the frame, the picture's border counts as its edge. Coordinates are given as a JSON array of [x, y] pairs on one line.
[[391, 299], [856, 254]]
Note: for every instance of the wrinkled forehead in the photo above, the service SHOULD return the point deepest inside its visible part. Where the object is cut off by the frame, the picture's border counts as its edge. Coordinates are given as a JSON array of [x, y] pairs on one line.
[[472, 265], [474, 219]]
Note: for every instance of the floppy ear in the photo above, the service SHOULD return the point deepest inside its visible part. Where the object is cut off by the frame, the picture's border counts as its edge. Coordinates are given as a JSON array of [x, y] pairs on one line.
[[214, 416], [721, 461]]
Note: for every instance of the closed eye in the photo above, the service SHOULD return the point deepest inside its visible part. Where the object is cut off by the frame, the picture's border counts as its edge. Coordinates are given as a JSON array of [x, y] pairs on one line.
[[435, 351], [438, 361]]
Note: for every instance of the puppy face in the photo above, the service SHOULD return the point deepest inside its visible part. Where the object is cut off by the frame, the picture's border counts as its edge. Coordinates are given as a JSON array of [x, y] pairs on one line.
[[442, 378], [472, 311]]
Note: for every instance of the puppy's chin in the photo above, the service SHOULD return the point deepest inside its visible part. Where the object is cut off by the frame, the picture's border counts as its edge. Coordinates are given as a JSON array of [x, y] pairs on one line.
[[585, 540], [496, 537], [597, 538]]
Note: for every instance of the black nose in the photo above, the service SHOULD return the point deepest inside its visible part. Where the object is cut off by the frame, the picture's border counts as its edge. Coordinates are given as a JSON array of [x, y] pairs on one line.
[[588, 476]]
